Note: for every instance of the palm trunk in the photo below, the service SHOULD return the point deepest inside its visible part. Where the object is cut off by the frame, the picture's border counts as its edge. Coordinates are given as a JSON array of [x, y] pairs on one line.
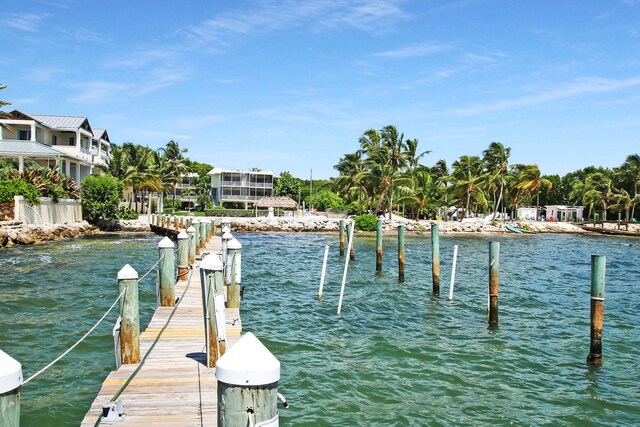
[[379, 205], [604, 211], [360, 197], [466, 211]]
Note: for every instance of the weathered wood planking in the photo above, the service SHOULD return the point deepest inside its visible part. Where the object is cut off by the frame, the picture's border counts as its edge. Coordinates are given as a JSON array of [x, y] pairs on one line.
[[174, 387]]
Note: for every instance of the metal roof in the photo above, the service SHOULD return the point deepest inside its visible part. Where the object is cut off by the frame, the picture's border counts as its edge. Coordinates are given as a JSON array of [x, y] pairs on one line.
[[216, 171], [97, 133], [28, 148], [60, 121]]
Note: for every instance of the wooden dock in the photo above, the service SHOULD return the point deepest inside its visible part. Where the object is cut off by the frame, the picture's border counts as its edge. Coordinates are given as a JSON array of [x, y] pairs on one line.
[[174, 387]]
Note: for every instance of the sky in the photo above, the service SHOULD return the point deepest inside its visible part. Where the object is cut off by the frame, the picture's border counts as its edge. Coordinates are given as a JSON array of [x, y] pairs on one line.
[[291, 85]]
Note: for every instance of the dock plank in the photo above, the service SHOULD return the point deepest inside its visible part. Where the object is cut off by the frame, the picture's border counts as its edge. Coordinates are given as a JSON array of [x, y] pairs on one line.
[[174, 387]]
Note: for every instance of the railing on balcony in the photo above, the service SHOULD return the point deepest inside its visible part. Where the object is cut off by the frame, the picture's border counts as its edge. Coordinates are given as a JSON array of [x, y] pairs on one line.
[[240, 197], [247, 184]]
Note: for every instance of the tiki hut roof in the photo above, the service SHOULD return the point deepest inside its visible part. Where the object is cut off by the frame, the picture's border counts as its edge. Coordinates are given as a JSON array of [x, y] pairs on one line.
[[284, 202]]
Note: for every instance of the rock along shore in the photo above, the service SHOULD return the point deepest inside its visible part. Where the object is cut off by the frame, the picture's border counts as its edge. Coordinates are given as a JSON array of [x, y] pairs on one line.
[[16, 233]]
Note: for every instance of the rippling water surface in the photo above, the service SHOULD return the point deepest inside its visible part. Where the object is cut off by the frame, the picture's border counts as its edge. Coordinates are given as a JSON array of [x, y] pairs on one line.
[[396, 356]]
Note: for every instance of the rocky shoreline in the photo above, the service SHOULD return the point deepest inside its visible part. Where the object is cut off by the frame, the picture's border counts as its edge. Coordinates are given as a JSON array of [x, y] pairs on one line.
[[16, 233]]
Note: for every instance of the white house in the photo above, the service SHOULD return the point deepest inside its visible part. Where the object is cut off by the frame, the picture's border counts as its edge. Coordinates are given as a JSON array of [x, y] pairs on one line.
[[241, 187], [564, 213], [526, 212], [47, 139]]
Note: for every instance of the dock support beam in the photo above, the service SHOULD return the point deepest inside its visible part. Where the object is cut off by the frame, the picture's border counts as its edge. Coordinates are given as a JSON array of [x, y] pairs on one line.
[[130, 314]]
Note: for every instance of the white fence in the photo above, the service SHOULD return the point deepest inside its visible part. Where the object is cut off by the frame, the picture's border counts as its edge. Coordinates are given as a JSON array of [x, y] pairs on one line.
[[48, 212]]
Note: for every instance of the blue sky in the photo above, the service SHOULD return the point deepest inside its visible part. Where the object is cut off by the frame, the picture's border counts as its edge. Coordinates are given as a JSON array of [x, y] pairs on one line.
[[291, 85]]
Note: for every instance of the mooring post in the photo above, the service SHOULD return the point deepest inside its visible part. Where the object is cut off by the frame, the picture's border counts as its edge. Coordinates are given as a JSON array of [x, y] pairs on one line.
[[191, 232], [183, 255], [453, 271], [342, 237], [10, 383], [226, 237], [212, 231], [619, 219], [494, 269], [203, 235], [401, 253], [344, 273], [167, 265], [130, 325], [379, 246], [248, 397], [324, 270], [213, 294], [598, 268], [196, 236], [233, 273], [350, 231], [225, 226], [435, 257], [175, 223]]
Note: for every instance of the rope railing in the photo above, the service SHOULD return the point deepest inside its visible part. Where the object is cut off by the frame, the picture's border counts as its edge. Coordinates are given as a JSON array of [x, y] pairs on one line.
[[152, 267], [77, 342], [155, 341]]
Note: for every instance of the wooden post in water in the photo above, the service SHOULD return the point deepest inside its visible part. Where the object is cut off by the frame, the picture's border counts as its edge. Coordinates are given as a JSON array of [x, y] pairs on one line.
[[10, 384], [619, 219], [175, 223], [233, 273], [167, 264], [379, 246], [183, 255], [130, 325], [350, 231], [324, 270], [342, 237], [598, 268], [191, 232], [435, 257], [213, 301], [400, 253], [453, 271], [196, 236], [494, 270]]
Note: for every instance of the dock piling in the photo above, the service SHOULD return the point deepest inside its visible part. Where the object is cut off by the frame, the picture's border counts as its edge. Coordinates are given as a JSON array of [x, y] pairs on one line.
[[598, 269], [350, 229], [167, 293], [10, 384], [183, 255], [342, 237], [233, 273], [401, 253], [346, 268], [379, 246], [191, 232], [453, 271], [435, 257], [130, 314], [494, 269], [213, 304], [324, 270]]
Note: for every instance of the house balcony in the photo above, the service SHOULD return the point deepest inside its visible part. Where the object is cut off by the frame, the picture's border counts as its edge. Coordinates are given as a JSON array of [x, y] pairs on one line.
[[247, 184]]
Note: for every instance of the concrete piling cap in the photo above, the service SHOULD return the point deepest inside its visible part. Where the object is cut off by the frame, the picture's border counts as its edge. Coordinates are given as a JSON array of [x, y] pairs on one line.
[[182, 235], [211, 262], [127, 272], [227, 236], [191, 229], [166, 243], [248, 363], [234, 244], [10, 373]]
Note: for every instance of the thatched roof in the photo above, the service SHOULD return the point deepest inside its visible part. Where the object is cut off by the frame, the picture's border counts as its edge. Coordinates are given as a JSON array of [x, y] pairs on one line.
[[284, 202]]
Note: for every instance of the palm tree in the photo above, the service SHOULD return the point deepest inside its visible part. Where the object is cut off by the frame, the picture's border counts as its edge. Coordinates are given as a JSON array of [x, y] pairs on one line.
[[496, 158], [141, 173], [172, 165], [440, 175], [3, 115], [352, 171], [600, 188], [467, 173], [531, 181], [631, 167]]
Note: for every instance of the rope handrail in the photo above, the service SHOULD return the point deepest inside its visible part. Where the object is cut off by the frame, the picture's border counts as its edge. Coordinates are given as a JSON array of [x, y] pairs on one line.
[[155, 341], [77, 342], [152, 267]]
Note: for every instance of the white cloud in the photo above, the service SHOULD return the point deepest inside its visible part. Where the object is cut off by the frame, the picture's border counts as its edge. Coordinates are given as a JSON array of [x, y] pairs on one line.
[[24, 22], [413, 51]]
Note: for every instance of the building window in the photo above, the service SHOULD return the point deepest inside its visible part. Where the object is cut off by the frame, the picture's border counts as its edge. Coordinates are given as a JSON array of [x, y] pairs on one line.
[[72, 140], [54, 139], [24, 135]]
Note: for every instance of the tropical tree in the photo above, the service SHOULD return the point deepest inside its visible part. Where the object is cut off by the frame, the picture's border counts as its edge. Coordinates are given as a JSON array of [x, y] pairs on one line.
[[2, 104], [142, 173], [353, 172], [600, 188], [440, 175], [466, 175], [496, 159], [530, 181], [631, 167], [172, 165]]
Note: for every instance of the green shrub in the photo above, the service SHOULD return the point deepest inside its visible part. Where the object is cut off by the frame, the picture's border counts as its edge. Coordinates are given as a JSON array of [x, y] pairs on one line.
[[328, 200], [100, 197], [366, 222], [124, 212], [16, 187]]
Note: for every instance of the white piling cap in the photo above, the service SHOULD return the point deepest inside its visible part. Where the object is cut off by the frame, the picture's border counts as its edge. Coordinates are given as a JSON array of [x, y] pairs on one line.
[[234, 244], [182, 235], [191, 229], [166, 243], [248, 363], [10, 373], [227, 236], [211, 262], [127, 272]]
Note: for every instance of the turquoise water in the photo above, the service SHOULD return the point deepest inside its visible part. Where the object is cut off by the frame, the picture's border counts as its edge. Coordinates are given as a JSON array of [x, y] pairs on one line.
[[396, 356]]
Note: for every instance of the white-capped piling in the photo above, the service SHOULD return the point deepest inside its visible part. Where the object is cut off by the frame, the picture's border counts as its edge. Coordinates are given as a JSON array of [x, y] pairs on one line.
[[196, 236], [598, 269], [130, 314], [10, 384], [324, 269], [350, 228], [213, 307], [346, 268], [183, 255], [191, 232], [248, 377], [225, 226], [226, 237], [233, 273], [167, 276]]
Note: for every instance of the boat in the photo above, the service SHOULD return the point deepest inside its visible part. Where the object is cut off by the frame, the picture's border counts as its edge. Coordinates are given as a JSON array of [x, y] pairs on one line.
[[513, 229]]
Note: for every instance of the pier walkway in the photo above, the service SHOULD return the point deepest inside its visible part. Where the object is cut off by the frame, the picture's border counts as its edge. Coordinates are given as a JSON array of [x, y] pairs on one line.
[[174, 387]]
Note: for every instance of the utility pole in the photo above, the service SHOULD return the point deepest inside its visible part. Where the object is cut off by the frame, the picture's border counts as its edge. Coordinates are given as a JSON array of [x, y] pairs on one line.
[[311, 190]]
